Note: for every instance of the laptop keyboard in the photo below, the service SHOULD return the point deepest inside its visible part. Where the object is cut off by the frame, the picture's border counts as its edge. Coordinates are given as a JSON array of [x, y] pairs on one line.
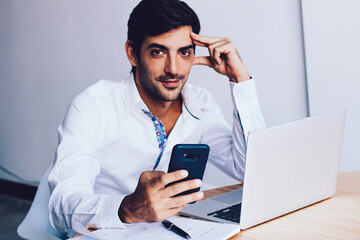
[[231, 213]]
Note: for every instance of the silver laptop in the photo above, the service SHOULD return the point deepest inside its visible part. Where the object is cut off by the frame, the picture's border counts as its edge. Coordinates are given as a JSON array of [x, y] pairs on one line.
[[287, 167]]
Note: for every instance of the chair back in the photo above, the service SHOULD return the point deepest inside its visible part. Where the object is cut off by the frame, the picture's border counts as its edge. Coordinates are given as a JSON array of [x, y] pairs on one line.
[[36, 225]]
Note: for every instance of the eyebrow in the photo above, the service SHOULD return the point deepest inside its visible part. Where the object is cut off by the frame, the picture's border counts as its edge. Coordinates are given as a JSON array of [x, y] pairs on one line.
[[156, 45], [186, 48]]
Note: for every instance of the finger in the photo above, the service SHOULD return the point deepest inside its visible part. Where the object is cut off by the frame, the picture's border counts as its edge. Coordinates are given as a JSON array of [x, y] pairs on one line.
[[202, 60], [220, 51], [181, 187], [215, 50], [197, 43], [167, 178], [181, 201], [203, 39], [208, 60]]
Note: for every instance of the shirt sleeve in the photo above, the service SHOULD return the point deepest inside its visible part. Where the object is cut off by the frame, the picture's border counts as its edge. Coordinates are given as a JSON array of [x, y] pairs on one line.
[[228, 147], [76, 166]]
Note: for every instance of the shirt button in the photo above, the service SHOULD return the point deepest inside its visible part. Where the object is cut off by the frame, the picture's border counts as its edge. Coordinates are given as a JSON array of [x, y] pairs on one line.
[[156, 122]]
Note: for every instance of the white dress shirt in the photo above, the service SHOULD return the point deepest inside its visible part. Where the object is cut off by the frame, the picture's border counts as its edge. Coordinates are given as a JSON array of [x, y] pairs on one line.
[[106, 141]]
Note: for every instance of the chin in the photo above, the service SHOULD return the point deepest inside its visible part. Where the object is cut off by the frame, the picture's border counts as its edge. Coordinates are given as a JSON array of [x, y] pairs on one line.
[[171, 97]]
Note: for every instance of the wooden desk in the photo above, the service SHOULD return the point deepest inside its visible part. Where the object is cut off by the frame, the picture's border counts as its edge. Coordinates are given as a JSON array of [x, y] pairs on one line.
[[334, 218]]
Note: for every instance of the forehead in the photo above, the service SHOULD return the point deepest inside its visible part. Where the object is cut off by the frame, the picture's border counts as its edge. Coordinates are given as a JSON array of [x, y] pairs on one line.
[[173, 39]]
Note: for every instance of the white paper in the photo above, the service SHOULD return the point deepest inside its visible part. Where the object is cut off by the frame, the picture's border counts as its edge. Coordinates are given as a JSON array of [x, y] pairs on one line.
[[197, 229]]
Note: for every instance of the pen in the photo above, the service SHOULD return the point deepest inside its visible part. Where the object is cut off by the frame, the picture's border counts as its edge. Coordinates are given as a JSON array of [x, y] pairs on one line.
[[172, 227]]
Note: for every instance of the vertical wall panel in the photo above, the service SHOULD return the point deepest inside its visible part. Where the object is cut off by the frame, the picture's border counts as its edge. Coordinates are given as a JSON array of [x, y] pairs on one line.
[[332, 44]]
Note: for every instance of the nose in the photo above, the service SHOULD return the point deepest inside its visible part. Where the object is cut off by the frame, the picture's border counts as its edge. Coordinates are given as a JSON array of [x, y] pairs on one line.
[[172, 65]]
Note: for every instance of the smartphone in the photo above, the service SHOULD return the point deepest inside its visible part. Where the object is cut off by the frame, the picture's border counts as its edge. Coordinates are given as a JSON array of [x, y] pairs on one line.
[[190, 157]]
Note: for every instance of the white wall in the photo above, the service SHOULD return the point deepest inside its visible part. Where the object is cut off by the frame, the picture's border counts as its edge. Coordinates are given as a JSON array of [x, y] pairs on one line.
[[52, 50], [332, 43]]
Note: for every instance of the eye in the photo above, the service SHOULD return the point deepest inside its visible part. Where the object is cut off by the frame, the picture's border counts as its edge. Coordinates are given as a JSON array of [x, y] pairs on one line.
[[157, 52], [185, 53]]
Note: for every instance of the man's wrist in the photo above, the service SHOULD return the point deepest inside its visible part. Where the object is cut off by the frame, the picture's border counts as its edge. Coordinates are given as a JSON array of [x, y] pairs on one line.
[[240, 78]]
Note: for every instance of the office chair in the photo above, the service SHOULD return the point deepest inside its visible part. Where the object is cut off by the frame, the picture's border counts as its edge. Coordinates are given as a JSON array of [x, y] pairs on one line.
[[36, 224]]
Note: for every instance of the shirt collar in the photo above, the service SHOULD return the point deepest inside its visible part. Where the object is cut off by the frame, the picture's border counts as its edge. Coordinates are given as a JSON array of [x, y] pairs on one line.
[[132, 95], [192, 104]]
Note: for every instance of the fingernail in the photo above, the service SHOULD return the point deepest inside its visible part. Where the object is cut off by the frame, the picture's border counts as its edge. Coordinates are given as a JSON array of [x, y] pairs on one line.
[[184, 173], [198, 182], [200, 195]]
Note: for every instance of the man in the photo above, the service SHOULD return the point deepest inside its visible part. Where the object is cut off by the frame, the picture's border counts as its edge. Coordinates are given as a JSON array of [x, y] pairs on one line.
[[116, 139]]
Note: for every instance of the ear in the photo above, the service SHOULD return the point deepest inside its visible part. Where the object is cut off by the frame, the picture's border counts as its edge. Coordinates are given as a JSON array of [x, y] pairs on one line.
[[130, 52]]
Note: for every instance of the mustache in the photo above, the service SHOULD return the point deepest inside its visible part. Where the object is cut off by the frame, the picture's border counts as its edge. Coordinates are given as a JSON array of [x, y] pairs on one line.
[[168, 76]]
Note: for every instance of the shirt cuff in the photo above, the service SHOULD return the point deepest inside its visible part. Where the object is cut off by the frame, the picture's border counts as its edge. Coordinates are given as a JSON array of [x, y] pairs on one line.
[[108, 217], [244, 92], [247, 106]]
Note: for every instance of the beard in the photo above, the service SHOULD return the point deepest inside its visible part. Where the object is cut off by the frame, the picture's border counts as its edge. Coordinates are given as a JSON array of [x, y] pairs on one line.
[[153, 88]]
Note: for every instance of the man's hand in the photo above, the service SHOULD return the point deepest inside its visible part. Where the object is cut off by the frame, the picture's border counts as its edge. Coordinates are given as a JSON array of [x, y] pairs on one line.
[[151, 202], [223, 58]]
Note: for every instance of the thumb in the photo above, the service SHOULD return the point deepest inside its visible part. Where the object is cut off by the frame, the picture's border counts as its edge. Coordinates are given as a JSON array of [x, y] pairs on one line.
[[203, 60]]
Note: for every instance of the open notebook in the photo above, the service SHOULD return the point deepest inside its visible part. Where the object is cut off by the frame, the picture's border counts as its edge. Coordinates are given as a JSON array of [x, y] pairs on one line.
[[197, 229]]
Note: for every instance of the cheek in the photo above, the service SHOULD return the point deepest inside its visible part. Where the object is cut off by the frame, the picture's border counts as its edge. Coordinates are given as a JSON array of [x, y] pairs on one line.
[[154, 67], [187, 64]]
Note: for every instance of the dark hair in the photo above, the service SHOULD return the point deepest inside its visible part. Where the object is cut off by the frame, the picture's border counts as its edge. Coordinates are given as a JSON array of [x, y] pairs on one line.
[[154, 17]]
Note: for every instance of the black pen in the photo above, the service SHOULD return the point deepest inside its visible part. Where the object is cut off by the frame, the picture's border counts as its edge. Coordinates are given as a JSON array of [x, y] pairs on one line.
[[172, 227]]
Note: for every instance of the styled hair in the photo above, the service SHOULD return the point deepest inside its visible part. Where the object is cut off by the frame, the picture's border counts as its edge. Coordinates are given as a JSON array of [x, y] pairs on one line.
[[155, 17]]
